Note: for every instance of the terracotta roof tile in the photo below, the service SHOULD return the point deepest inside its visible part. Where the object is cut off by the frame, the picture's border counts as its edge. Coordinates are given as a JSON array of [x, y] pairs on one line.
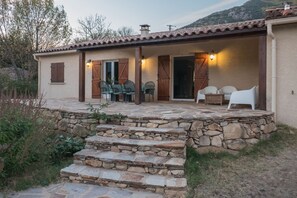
[[277, 13], [213, 30]]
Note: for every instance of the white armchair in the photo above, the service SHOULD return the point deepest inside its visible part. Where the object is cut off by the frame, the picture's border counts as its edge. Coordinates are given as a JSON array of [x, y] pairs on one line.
[[243, 97], [227, 91], [207, 90]]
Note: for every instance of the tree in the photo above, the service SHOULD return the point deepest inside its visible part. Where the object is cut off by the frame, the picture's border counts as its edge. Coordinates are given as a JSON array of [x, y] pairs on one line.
[[46, 25], [95, 27], [27, 26], [125, 31]]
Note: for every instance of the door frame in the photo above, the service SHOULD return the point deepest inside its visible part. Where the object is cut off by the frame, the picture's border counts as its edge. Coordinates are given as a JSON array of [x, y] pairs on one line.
[[172, 78]]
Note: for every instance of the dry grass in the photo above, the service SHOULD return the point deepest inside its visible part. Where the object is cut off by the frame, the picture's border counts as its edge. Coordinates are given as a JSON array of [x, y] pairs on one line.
[[225, 175]]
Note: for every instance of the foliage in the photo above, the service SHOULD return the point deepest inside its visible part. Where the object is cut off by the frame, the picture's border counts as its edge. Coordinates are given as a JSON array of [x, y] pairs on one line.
[[22, 133], [64, 147], [95, 27], [27, 26], [99, 115], [20, 87], [202, 167], [41, 173]]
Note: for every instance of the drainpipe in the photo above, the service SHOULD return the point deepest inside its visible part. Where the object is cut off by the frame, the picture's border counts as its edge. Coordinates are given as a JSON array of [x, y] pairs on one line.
[[273, 66], [38, 78]]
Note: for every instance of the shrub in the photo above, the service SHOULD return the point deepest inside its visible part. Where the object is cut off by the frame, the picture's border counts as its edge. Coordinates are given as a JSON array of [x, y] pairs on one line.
[[63, 147], [23, 131], [99, 115]]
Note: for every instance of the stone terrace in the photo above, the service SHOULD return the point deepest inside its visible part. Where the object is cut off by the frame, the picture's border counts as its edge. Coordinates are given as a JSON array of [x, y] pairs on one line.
[[208, 127]]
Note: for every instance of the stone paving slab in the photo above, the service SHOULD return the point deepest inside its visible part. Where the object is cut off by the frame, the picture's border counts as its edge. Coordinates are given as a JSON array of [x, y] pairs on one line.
[[72, 190], [135, 159], [156, 110], [132, 142], [124, 177], [105, 127]]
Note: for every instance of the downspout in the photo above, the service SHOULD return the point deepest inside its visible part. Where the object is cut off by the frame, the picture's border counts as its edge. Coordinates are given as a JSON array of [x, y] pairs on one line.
[[273, 67], [39, 75]]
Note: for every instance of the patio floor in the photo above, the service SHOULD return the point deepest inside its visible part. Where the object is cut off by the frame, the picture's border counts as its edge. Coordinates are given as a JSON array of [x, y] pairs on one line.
[[160, 110]]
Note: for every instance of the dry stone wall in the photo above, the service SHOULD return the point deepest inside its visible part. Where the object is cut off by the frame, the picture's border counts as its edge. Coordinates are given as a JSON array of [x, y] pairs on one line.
[[211, 134]]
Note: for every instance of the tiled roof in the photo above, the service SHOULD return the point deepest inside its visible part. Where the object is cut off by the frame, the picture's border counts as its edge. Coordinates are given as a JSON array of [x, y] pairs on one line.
[[281, 13], [169, 36]]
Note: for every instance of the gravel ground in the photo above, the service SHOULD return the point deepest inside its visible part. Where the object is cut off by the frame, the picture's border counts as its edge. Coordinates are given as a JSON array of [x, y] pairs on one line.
[[268, 176]]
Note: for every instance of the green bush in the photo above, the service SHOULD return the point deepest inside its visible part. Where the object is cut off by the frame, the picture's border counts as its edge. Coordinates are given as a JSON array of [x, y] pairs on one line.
[[23, 131], [64, 147]]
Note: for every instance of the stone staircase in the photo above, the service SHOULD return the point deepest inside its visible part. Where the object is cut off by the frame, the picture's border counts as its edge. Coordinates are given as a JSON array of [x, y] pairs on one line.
[[142, 159]]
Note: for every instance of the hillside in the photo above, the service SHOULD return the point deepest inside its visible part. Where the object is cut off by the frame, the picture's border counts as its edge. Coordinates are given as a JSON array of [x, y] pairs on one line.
[[252, 9]]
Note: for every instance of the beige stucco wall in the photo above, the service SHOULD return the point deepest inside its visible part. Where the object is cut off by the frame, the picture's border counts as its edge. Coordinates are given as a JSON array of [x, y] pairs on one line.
[[286, 73], [68, 89], [236, 64]]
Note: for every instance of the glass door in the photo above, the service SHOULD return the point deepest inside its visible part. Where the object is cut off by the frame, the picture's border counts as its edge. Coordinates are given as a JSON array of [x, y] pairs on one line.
[[183, 77], [111, 72]]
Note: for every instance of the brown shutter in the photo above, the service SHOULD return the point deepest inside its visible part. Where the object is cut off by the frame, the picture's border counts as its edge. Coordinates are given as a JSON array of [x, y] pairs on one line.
[[57, 72], [60, 71], [54, 72], [201, 72], [123, 70], [163, 77], [96, 77]]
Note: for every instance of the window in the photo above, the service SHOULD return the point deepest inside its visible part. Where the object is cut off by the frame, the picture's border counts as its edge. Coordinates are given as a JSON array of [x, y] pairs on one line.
[[111, 71], [57, 72]]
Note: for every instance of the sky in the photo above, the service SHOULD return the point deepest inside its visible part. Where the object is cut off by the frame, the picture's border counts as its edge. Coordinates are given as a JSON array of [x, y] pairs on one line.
[[132, 13]]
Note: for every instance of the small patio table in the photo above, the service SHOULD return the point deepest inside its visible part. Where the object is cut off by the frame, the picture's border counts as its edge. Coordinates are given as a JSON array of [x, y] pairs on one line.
[[214, 99]]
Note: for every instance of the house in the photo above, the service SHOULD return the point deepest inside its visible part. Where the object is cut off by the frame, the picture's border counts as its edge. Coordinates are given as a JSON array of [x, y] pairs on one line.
[[258, 52]]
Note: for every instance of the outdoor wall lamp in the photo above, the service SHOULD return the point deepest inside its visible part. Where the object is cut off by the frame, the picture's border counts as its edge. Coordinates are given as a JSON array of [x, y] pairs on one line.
[[142, 60], [88, 63], [212, 55]]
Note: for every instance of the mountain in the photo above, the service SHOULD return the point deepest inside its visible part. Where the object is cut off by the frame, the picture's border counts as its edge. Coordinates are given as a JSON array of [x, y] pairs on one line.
[[252, 9]]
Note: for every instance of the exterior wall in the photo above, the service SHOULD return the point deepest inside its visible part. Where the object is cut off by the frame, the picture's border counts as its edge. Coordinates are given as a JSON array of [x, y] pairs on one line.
[[236, 64], [236, 61], [286, 59], [68, 89]]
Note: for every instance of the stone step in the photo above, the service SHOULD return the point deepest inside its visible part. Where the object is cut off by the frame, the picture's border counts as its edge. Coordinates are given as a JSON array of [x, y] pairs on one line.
[[141, 132], [124, 179], [147, 147], [131, 162]]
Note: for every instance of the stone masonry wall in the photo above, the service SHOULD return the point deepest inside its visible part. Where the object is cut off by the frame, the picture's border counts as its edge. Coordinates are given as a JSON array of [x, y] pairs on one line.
[[228, 134]]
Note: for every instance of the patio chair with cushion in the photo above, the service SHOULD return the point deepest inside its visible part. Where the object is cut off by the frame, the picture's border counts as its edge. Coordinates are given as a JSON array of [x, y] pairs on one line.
[[207, 90], [243, 97], [129, 90], [105, 89], [227, 91], [149, 88]]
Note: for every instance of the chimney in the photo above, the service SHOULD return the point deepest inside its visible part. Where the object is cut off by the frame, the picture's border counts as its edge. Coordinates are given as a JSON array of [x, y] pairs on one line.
[[144, 29]]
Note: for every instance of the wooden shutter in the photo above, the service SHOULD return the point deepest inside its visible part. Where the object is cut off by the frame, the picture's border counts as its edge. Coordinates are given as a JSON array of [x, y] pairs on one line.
[[201, 72], [96, 77], [163, 77], [123, 70], [57, 72]]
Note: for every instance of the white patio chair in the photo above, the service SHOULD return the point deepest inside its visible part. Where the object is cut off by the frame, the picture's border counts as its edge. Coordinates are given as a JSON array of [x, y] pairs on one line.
[[207, 90], [244, 97], [227, 91]]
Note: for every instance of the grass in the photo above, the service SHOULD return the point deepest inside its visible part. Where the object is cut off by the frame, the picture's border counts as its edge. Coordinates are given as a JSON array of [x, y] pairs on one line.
[[39, 174], [206, 167]]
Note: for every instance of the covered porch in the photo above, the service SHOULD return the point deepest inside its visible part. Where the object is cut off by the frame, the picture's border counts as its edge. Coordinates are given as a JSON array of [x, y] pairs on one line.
[[181, 67]]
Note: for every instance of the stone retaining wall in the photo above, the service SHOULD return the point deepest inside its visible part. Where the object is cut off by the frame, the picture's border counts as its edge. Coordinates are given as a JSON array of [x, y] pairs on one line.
[[211, 134]]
